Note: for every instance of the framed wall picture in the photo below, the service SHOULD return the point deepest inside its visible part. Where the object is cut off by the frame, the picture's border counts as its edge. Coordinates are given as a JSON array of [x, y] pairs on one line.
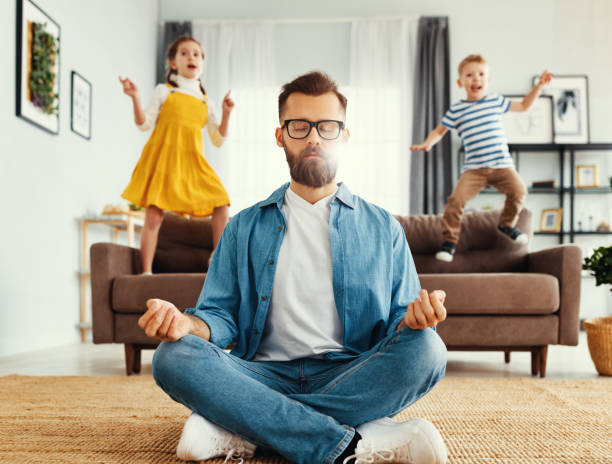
[[550, 220], [586, 176], [571, 107], [533, 126], [37, 67], [80, 105]]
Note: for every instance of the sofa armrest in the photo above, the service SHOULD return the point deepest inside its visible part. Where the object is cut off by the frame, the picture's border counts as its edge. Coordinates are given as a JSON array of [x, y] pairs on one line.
[[565, 263], [108, 260]]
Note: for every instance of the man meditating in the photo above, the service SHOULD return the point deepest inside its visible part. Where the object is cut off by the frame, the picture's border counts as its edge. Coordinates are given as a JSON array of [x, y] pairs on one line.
[[317, 290]]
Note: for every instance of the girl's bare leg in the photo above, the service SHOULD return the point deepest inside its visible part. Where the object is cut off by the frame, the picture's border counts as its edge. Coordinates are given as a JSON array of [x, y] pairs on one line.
[[148, 236], [220, 217]]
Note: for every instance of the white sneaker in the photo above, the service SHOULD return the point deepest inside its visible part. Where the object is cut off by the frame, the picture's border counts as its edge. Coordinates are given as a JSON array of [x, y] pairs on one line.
[[447, 250], [523, 239], [201, 440], [444, 256], [416, 441]]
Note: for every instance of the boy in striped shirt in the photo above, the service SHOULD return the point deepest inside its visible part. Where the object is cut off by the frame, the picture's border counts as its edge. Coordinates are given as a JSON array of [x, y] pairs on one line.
[[477, 120]]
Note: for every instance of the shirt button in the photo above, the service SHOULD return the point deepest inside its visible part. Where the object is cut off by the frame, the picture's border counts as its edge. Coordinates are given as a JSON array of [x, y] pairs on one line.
[[271, 261], [264, 298]]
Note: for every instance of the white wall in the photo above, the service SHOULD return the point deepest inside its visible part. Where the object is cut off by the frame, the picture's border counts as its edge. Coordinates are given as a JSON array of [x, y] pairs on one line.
[[48, 181]]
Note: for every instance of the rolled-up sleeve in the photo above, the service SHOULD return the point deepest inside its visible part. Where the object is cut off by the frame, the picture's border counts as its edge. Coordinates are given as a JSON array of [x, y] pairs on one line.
[[405, 285], [219, 301]]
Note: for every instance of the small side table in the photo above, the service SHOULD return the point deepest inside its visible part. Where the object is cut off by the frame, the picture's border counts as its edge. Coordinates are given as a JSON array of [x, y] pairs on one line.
[[131, 221]]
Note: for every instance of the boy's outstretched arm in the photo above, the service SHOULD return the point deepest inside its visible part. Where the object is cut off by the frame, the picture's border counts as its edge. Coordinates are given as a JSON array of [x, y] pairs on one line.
[[433, 138], [528, 100]]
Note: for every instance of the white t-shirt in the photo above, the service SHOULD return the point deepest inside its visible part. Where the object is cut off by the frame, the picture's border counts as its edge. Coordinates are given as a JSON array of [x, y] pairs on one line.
[[188, 87], [302, 318]]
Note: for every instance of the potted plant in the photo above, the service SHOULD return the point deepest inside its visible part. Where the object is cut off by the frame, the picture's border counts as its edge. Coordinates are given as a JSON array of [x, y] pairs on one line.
[[599, 329]]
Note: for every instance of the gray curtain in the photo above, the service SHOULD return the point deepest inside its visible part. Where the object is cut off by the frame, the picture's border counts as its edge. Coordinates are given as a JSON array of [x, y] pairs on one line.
[[172, 30], [431, 173]]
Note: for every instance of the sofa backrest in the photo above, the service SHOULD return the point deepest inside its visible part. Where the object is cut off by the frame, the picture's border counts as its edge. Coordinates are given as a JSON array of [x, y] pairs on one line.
[[481, 247], [184, 244]]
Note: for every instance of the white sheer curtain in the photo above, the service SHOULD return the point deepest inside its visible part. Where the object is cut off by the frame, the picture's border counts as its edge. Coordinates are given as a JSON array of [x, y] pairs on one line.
[[379, 113], [376, 163], [240, 57]]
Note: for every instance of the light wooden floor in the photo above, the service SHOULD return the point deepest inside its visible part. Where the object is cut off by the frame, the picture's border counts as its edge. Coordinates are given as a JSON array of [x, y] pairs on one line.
[[564, 362]]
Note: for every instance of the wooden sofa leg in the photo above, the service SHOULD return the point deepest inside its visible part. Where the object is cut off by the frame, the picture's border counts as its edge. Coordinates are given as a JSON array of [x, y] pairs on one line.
[[132, 358], [535, 360], [507, 356], [129, 358], [542, 358], [137, 358]]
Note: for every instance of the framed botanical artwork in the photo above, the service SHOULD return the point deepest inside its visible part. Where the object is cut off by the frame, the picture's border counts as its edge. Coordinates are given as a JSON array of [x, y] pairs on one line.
[[550, 220], [533, 126], [571, 107], [586, 176], [37, 67], [80, 105]]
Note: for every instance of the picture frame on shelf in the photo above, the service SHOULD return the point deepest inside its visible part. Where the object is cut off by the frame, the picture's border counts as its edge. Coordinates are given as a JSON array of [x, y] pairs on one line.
[[550, 220], [80, 105], [570, 95], [533, 126], [37, 67], [586, 176]]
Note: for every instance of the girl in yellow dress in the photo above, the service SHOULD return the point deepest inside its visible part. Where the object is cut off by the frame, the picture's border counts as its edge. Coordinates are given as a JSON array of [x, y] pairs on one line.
[[172, 173]]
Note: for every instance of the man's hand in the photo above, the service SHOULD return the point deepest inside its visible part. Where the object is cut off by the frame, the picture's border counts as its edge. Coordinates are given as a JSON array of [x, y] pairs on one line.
[[425, 311], [163, 320], [544, 80]]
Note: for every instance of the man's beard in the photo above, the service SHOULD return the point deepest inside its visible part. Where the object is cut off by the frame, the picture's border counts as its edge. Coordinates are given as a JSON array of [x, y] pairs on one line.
[[312, 172]]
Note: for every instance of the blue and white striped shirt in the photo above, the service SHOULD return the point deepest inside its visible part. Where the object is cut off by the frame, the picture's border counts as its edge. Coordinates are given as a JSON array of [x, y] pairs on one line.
[[479, 125]]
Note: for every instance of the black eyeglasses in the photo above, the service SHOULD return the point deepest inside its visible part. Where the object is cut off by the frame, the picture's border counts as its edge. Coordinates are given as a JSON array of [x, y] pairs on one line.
[[328, 129]]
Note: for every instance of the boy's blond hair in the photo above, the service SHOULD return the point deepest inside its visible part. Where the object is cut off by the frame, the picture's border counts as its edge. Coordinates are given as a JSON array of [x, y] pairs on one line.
[[471, 59]]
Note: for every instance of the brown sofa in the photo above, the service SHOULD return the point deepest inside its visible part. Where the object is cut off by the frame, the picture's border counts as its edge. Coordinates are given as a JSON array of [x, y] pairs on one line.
[[499, 296]]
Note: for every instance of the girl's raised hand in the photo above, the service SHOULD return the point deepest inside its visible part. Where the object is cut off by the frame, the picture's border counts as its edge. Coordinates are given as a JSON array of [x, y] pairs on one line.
[[129, 88], [228, 103]]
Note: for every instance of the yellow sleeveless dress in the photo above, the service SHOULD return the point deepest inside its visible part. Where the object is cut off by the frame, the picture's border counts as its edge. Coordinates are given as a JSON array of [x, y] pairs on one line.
[[172, 172]]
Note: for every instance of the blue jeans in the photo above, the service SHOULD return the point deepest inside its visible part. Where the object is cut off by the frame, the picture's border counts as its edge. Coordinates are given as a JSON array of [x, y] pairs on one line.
[[305, 409]]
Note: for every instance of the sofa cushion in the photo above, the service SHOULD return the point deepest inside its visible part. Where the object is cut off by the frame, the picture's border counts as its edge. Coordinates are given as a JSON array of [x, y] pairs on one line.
[[131, 292], [481, 247], [497, 293], [499, 331]]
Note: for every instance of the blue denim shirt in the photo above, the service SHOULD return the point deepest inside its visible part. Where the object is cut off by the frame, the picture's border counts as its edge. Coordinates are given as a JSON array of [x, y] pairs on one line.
[[374, 278]]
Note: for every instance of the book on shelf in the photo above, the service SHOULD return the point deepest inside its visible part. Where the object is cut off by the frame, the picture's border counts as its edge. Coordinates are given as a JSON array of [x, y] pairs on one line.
[[544, 184]]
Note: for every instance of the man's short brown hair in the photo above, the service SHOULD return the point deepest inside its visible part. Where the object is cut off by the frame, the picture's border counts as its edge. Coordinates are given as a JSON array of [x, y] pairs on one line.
[[314, 83], [471, 59]]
